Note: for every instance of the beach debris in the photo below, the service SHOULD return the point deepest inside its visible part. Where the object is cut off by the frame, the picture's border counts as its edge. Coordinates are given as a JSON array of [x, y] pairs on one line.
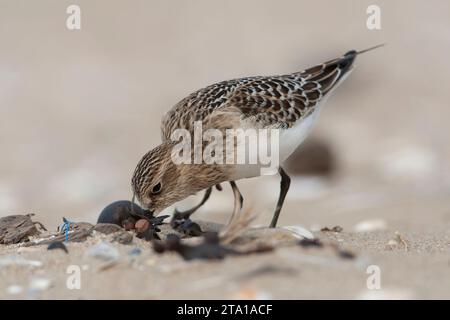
[[148, 229], [14, 289], [72, 231], [123, 213], [346, 254], [142, 225], [103, 251], [57, 245], [398, 241], [18, 228], [18, 260], [210, 248], [238, 224], [299, 232], [336, 229], [370, 225], [64, 228]]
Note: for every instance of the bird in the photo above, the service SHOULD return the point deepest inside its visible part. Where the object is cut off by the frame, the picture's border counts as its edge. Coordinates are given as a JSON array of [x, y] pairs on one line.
[[289, 103]]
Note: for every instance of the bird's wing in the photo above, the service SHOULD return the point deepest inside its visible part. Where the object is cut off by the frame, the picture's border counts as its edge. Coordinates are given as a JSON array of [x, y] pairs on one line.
[[277, 100], [200, 105], [282, 100]]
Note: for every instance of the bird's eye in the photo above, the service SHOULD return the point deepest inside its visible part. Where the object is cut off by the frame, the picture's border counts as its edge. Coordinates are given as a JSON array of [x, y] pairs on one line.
[[157, 188]]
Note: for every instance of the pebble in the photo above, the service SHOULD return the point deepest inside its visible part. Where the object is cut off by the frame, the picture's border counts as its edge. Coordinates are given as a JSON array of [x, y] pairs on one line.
[[142, 225], [299, 232], [103, 251], [57, 245]]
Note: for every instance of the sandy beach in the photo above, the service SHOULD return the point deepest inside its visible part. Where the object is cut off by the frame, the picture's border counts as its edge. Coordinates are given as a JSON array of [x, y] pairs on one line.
[[78, 109]]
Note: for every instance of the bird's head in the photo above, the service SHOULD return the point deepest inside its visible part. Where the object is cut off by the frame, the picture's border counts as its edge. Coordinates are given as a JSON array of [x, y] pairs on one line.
[[155, 181], [158, 181]]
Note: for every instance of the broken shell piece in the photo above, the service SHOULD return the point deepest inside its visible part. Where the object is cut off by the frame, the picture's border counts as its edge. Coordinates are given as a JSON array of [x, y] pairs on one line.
[[299, 232], [370, 225], [397, 242], [142, 225]]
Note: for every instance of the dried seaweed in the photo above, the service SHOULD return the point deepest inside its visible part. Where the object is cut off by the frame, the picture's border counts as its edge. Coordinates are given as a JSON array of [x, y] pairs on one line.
[[334, 229], [210, 248], [238, 224]]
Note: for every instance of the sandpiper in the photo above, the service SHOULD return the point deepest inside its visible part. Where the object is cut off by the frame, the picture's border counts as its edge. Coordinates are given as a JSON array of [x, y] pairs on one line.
[[289, 103]]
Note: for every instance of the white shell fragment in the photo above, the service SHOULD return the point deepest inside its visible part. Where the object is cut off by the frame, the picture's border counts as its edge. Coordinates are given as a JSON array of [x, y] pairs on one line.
[[299, 232]]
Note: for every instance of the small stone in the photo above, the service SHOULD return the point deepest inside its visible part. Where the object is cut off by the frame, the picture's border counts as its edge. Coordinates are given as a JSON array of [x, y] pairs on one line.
[[120, 212], [17, 228], [299, 232], [57, 245], [142, 225]]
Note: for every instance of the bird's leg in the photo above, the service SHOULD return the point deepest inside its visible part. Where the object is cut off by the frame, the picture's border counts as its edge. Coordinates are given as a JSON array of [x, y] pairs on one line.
[[284, 187], [182, 215], [238, 200]]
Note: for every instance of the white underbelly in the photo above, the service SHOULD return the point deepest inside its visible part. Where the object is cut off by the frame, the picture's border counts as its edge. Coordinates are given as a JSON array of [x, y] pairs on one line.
[[291, 138]]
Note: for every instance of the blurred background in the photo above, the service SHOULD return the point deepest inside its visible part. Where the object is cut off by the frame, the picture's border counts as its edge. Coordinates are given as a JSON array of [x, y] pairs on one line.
[[78, 108]]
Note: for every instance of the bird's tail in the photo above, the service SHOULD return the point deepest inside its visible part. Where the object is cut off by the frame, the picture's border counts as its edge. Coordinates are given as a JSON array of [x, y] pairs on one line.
[[329, 74]]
